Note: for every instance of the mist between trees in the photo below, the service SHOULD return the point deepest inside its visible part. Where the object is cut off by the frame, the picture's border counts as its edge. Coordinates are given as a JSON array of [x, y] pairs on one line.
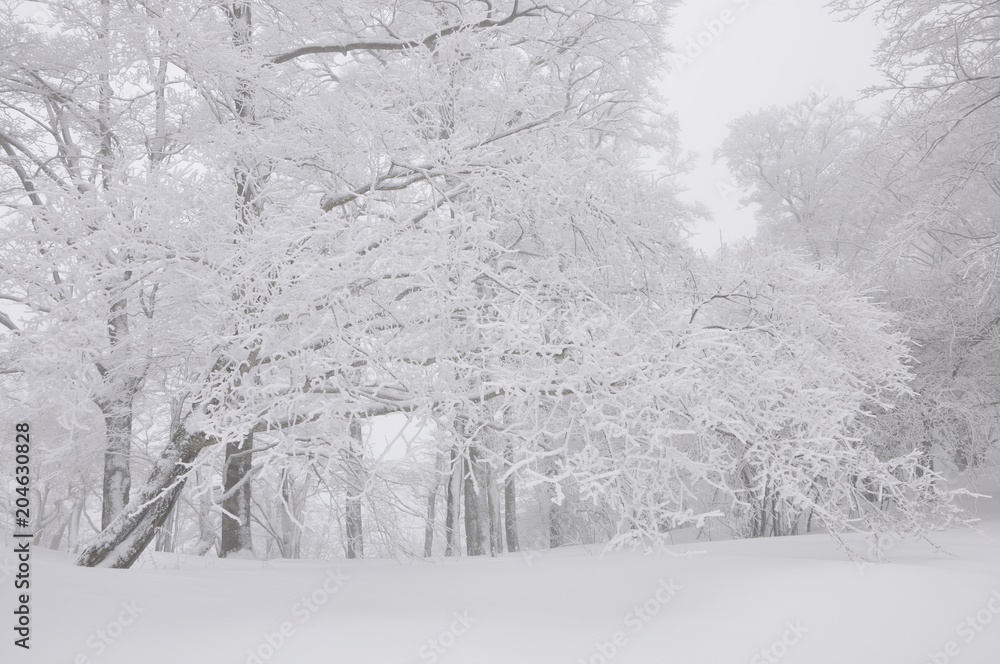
[[238, 239]]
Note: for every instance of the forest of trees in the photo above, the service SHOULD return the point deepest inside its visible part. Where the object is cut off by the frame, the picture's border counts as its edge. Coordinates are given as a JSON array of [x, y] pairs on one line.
[[305, 278]]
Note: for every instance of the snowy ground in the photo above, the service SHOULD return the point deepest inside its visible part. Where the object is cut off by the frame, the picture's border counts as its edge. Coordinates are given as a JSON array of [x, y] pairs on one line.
[[789, 600]]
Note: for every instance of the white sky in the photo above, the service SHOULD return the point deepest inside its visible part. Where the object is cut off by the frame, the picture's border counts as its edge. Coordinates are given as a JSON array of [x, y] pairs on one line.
[[768, 52]]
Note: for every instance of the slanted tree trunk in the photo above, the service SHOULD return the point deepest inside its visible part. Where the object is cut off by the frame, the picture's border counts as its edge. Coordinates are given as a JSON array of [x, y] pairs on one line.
[[355, 491], [236, 506], [120, 544], [454, 494]]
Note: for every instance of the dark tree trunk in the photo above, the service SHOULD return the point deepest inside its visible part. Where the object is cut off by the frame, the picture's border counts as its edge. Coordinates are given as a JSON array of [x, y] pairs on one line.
[[236, 506]]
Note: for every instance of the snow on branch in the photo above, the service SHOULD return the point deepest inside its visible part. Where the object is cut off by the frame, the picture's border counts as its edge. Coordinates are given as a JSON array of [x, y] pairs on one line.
[[386, 45]]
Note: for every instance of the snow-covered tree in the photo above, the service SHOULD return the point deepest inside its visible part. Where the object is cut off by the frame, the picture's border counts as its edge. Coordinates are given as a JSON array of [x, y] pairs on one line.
[[937, 161], [85, 127], [376, 189], [803, 165], [287, 220], [754, 403]]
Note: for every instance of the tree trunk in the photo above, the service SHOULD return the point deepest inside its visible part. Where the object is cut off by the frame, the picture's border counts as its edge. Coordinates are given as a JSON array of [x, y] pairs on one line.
[[55, 541], [120, 544], [74, 527], [291, 534], [119, 390], [481, 479], [429, 526], [473, 523], [493, 512], [207, 534], [355, 490], [454, 504], [236, 536], [354, 528], [236, 506], [432, 506], [61, 520], [926, 463], [763, 523], [556, 535], [117, 454], [510, 504]]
